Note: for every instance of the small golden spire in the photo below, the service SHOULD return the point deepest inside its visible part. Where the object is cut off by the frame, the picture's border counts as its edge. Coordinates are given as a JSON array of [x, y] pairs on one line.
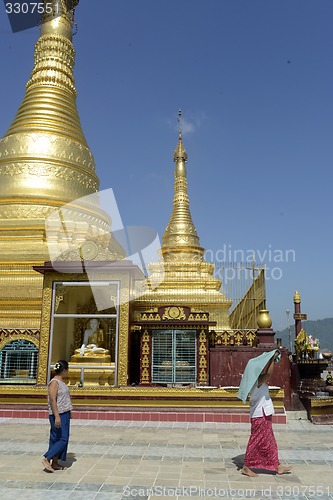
[[182, 275], [297, 297], [180, 235], [180, 153]]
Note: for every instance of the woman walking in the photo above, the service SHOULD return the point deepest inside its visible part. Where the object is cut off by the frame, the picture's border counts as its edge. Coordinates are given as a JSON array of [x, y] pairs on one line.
[[60, 406], [261, 451]]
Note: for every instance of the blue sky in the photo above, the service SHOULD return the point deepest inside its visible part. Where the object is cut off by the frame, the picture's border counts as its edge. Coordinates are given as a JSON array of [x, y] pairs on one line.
[[254, 79]]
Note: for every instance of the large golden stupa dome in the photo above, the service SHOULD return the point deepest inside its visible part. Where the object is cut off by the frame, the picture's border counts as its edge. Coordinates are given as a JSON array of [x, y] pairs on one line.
[[46, 165]]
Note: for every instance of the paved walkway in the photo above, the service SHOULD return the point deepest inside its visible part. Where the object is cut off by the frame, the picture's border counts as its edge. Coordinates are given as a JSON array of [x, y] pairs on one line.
[[118, 460]]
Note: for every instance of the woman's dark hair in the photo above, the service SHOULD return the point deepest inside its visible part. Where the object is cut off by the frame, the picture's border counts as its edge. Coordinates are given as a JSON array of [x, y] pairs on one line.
[[60, 366]]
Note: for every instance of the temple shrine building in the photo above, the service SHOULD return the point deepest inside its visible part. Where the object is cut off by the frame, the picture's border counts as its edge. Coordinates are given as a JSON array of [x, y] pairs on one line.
[[67, 291]]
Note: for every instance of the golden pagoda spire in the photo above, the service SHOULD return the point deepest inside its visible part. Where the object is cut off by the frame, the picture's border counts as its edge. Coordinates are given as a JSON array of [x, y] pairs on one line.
[[46, 166], [44, 149], [50, 101], [180, 240], [182, 276], [45, 161]]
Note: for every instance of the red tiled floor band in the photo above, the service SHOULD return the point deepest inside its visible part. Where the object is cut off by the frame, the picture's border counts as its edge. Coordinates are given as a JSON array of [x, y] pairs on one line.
[[143, 416]]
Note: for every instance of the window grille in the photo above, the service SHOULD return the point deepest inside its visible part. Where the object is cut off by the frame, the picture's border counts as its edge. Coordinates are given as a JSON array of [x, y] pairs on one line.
[[174, 357], [18, 362]]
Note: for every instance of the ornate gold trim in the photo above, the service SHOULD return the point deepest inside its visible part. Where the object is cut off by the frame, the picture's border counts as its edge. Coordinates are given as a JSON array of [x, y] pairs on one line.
[[174, 313], [235, 337], [145, 358], [18, 335], [203, 354], [138, 396]]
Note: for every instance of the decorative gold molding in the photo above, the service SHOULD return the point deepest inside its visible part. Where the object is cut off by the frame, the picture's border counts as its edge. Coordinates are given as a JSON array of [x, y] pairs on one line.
[[235, 337], [140, 391], [174, 313], [123, 334], [202, 358], [145, 358], [8, 335]]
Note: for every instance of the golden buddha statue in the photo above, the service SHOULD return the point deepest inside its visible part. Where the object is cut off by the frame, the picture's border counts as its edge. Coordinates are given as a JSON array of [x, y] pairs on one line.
[[93, 348]]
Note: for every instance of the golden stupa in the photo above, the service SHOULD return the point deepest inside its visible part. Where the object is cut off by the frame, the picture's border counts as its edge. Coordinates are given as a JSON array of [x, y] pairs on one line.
[[49, 211], [46, 164], [182, 274]]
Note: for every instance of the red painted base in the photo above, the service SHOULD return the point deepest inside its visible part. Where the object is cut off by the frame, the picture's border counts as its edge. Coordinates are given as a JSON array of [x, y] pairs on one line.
[[147, 415]]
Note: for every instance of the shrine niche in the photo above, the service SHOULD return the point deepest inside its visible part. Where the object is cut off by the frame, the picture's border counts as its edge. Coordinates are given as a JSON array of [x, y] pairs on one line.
[[174, 346], [86, 321]]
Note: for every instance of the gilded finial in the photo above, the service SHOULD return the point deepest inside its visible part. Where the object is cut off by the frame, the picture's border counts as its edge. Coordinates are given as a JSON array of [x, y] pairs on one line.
[[297, 297], [180, 123], [180, 153], [59, 19]]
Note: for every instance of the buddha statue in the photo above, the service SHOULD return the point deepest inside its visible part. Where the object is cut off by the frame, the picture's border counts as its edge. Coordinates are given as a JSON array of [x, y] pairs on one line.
[[93, 348]]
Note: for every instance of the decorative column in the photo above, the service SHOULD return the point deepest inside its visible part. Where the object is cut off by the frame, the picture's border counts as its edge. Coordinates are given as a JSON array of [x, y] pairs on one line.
[[298, 316], [202, 370], [145, 358]]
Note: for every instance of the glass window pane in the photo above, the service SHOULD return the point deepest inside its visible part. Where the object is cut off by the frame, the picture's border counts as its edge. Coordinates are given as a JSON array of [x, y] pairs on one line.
[[91, 364], [174, 356], [185, 351], [70, 333], [86, 298], [84, 330], [162, 357], [18, 362]]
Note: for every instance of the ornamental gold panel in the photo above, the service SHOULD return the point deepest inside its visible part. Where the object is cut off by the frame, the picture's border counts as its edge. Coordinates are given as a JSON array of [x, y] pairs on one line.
[[145, 358], [203, 379], [123, 344], [203, 357], [8, 335], [174, 313], [145, 378], [145, 348], [145, 336], [235, 337], [145, 361], [203, 362], [202, 349]]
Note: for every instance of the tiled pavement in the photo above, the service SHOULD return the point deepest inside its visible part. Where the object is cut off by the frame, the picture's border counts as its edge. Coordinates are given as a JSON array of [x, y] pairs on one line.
[[157, 460]]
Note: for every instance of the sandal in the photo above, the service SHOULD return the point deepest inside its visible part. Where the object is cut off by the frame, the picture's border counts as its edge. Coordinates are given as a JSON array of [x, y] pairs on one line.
[[47, 466]]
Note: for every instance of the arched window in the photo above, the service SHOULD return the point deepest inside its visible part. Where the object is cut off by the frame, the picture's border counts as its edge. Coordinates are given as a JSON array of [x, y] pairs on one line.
[[18, 362]]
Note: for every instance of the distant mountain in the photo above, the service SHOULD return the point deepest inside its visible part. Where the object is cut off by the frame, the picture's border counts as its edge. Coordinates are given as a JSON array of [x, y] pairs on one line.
[[322, 329]]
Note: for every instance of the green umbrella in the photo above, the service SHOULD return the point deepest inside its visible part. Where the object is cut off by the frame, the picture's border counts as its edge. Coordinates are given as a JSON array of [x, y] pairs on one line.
[[251, 373]]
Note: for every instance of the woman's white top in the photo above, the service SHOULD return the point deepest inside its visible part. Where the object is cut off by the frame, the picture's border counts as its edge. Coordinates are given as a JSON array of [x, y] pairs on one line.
[[63, 398], [260, 400]]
